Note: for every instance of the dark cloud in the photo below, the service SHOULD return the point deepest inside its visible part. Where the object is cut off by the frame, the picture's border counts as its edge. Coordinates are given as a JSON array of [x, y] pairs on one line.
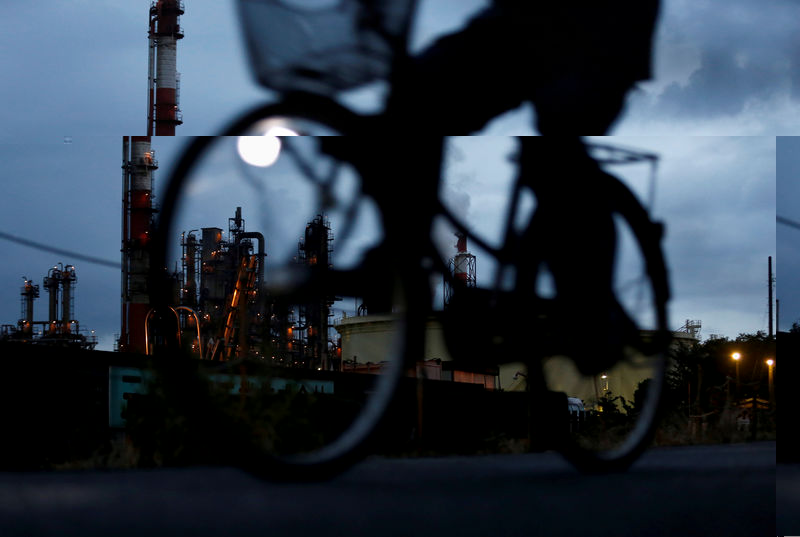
[[722, 86], [746, 50]]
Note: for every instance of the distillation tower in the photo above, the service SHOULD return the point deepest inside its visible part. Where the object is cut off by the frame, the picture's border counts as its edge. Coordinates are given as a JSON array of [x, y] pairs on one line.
[[314, 317], [163, 112], [61, 328], [221, 306], [63, 280]]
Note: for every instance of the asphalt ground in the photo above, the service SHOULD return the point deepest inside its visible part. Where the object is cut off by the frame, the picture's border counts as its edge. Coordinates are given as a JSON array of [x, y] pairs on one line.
[[787, 491], [724, 490]]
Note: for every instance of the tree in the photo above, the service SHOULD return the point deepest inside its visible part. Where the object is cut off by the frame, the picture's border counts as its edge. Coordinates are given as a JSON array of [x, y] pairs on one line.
[[698, 374]]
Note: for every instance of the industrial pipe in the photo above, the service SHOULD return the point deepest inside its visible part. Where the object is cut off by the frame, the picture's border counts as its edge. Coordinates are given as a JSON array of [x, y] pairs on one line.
[[197, 325]]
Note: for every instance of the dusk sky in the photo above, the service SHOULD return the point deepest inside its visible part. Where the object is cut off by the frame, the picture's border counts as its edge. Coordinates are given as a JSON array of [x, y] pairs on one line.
[[788, 238], [726, 83], [79, 67]]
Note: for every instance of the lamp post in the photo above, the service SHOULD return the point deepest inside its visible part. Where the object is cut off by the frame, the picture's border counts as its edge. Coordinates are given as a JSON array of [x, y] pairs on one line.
[[736, 357], [770, 365]]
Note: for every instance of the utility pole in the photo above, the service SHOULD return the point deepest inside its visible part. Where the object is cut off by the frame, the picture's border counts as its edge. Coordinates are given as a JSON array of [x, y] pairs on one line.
[[754, 410], [769, 286]]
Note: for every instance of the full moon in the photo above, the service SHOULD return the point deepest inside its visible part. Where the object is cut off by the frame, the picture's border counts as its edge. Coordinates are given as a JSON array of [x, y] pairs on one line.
[[261, 151]]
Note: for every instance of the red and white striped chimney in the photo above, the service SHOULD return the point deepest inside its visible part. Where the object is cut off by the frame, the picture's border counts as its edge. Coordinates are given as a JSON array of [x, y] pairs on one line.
[[138, 165], [165, 31], [463, 261]]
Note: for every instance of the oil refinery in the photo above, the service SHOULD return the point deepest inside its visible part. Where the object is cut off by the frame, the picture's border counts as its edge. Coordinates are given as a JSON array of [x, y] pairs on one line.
[[61, 328], [220, 308]]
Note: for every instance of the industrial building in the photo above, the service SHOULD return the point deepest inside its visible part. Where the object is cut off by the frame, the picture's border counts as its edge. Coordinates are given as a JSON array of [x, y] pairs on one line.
[[222, 309], [219, 300], [219, 304], [61, 327], [365, 337]]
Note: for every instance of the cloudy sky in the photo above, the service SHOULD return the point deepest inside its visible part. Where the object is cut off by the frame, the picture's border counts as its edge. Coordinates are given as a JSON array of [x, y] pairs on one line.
[[79, 67], [788, 237], [726, 83]]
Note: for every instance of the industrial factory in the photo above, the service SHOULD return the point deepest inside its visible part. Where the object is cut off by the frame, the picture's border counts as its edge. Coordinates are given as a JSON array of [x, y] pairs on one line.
[[219, 300], [61, 328], [224, 312], [163, 115]]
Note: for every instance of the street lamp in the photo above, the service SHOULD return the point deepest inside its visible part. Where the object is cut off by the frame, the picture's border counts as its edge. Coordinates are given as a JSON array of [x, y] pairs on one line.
[[736, 357], [771, 364]]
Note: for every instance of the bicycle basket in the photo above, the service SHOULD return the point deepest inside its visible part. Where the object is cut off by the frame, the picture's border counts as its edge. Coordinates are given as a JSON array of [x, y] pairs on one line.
[[323, 46]]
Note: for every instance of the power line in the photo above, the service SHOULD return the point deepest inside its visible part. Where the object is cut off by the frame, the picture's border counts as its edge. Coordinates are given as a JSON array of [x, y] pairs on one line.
[[59, 251], [787, 222]]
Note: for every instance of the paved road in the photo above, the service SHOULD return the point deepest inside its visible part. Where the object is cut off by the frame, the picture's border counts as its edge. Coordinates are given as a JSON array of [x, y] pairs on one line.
[[787, 489], [710, 491]]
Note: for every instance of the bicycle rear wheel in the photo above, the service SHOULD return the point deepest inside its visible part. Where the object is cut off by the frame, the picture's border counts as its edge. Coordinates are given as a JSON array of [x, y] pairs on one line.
[[600, 417], [613, 412], [303, 350]]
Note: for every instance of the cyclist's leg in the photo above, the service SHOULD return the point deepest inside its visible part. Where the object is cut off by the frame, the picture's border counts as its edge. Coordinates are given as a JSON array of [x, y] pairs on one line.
[[570, 195], [573, 201]]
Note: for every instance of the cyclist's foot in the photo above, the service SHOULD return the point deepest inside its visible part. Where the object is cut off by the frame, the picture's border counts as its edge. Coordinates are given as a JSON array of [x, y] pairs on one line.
[[602, 343]]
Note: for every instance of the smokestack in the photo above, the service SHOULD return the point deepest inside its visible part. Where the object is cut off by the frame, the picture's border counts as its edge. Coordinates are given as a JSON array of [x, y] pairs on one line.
[[462, 266], [138, 164], [463, 262], [163, 79], [461, 242]]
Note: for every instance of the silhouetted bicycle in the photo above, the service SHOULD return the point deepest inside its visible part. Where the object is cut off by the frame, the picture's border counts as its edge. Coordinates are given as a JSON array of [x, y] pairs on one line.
[[323, 343]]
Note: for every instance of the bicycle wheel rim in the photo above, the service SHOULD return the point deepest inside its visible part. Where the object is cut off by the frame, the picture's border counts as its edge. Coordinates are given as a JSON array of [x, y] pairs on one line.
[[354, 441], [597, 454]]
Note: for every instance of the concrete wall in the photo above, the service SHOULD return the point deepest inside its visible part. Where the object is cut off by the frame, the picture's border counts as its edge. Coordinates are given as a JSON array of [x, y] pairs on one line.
[[371, 338]]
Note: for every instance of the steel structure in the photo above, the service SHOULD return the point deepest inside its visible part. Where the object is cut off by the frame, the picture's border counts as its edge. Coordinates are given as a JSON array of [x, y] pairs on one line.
[[221, 308], [163, 111], [224, 312], [29, 293], [462, 267], [61, 330], [316, 249], [220, 302], [138, 165]]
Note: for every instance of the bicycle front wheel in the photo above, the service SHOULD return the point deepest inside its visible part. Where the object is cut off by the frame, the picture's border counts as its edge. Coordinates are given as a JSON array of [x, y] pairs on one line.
[[304, 349]]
